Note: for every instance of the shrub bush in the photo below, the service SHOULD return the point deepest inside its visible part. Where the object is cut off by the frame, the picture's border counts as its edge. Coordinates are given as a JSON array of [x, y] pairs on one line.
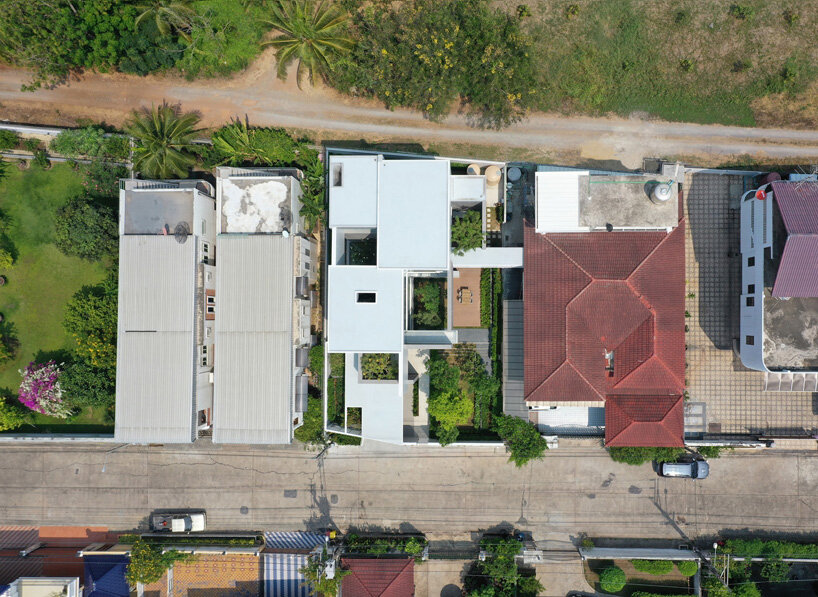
[[312, 430], [775, 570], [84, 229], [41, 159], [6, 259], [743, 12], [148, 562], [612, 580], [11, 415], [41, 391], [637, 456], [84, 142], [8, 139], [656, 567], [83, 384], [687, 567], [100, 179], [31, 144]]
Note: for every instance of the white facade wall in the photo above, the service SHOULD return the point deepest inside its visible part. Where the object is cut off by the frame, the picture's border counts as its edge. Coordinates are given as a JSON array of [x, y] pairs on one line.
[[756, 236]]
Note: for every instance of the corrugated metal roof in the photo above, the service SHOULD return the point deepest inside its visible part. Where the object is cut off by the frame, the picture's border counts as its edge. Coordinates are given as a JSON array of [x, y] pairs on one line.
[[156, 339], [253, 343], [798, 203], [557, 201], [798, 271]]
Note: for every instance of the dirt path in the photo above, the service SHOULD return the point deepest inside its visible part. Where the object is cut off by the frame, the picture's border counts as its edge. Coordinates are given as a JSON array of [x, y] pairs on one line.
[[267, 101]]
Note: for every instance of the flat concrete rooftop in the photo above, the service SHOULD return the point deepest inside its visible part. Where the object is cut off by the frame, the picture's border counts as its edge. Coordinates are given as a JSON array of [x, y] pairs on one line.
[[624, 201], [790, 333], [151, 211], [252, 205]]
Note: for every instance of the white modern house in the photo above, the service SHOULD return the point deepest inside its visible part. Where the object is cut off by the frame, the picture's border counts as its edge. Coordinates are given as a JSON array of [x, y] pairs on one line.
[[164, 379], [779, 275], [390, 221], [264, 271]]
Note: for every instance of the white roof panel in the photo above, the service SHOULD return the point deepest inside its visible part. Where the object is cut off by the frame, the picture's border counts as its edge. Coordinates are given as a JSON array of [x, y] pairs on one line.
[[557, 200], [364, 326], [253, 343], [353, 191], [413, 214], [155, 342]]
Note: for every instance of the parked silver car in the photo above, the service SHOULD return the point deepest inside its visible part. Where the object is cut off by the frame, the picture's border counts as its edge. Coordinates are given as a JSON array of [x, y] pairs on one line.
[[697, 469]]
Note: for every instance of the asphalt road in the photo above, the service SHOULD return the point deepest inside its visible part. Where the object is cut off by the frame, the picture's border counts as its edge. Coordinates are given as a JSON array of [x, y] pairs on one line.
[[266, 100], [446, 493]]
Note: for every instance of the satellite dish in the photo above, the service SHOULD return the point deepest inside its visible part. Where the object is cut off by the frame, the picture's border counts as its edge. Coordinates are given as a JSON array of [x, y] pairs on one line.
[[181, 232]]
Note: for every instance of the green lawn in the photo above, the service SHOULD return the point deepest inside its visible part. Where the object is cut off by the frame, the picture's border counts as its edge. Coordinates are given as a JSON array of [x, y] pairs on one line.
[[42, 279]]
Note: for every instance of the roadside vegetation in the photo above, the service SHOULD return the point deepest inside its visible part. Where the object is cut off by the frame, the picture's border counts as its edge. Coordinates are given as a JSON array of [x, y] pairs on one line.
[[494, 61], [149, 562]]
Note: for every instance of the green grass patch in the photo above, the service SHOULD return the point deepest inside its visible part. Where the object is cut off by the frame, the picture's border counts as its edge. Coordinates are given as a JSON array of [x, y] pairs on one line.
[[41, 282], [685, 62]]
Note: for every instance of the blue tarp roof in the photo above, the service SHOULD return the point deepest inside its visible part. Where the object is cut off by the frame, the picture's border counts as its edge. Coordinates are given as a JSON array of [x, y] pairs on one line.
[[105, 576]]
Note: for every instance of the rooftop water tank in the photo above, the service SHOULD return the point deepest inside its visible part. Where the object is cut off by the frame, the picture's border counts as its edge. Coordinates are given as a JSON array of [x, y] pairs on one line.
[[661, 193], [493, 175], [473, 169], [514, 174]]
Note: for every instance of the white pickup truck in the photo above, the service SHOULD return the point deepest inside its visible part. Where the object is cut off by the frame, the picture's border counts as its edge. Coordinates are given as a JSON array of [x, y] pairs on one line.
[[179, 522]]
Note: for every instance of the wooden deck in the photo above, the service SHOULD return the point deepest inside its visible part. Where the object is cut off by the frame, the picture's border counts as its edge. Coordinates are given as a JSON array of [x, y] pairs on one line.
[[467, 314]]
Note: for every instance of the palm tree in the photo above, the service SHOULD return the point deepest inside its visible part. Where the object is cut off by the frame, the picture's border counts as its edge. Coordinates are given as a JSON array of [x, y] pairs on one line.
[[164, 138], [169, 15], [236, 142], [311, 33]]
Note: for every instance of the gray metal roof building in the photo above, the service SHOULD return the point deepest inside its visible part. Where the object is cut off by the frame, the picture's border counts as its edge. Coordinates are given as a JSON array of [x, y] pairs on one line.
[[254, 339], [156, 339]]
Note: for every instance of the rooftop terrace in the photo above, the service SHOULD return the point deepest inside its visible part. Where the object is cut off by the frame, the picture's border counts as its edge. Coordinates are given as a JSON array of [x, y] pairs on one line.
[[255, 206], [790, 333]]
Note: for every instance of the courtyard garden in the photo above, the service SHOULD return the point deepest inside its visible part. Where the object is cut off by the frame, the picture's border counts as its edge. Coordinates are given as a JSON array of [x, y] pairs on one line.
[[58, 301], [429, 308]]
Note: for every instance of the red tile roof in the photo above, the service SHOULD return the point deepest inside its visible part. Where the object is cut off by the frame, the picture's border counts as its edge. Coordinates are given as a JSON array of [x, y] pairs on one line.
[[644, 421], [586, 294], [378, 577]]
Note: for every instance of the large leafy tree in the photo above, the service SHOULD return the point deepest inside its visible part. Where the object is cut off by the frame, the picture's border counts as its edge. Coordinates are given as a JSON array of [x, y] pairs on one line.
[[168, 15], [522, 439], [313, 33], [90, 317], [164, 138], [55, 38]]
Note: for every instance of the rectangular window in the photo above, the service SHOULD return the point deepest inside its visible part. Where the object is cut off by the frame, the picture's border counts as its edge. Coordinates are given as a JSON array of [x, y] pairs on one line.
[[211, 309], [307, 252], [751, 261], [205, 248], [751, 288], [749, 340], [204, 227], [208, 331], [366, 297], [750, 301], [338, 175], [211, 300], [204, 349]]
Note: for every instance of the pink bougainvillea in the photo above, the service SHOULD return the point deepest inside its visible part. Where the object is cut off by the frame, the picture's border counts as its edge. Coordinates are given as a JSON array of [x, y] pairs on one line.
[[40, 390]]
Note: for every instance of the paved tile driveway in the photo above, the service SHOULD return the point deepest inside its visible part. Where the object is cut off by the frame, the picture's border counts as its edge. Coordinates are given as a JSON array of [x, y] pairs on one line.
[[734, 400]]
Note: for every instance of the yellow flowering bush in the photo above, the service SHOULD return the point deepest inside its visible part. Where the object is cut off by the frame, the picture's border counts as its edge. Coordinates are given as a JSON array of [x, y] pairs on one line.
[[433, 55]]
